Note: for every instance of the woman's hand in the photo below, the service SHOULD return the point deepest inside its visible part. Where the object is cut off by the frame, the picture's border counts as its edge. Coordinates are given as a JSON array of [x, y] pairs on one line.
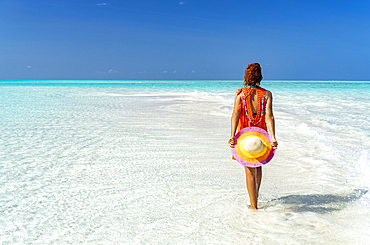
[[232, 142], [274, 144]]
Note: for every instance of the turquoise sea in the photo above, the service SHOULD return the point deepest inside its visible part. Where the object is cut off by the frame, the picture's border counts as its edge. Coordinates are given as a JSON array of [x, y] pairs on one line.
[[147, 162]]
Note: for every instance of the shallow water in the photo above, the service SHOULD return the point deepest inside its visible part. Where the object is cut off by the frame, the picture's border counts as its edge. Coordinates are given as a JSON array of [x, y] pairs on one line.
[[148, 162]]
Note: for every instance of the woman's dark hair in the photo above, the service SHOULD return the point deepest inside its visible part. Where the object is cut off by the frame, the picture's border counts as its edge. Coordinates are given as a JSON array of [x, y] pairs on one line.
[[253, 74]]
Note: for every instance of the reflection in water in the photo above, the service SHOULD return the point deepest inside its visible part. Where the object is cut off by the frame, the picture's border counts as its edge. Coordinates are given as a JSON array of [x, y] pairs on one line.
[[318, 203]]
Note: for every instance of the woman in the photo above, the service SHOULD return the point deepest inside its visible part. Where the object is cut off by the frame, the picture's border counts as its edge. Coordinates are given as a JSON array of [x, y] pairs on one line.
[[258, 104]]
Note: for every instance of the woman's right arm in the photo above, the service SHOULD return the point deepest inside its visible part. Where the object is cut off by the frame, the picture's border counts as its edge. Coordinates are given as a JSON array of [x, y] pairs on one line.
[[270, 120], [235, 118]]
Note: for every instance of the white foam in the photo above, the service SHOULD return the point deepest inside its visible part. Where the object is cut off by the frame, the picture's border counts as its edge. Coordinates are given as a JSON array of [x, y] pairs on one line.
[[363, 166]]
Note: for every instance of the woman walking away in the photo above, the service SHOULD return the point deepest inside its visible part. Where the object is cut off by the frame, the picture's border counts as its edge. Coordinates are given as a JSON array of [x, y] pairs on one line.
[[253, 108]]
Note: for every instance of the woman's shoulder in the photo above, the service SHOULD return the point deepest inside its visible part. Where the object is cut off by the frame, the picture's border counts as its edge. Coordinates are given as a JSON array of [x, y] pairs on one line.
[[268, 93], [238, 92]]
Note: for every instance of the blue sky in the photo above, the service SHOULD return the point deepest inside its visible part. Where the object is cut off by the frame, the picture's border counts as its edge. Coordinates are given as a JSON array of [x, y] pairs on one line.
[[186, 39]]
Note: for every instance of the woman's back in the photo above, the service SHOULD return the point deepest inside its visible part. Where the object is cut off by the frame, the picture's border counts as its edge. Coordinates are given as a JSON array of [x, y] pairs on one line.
[[252, 107], [253, 101]]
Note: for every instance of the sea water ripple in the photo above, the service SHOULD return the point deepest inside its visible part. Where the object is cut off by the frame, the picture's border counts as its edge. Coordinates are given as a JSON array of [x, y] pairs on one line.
[[147, 162]]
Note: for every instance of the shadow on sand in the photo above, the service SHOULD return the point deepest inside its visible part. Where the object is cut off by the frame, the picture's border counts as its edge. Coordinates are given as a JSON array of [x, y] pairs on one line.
[[318, 203]]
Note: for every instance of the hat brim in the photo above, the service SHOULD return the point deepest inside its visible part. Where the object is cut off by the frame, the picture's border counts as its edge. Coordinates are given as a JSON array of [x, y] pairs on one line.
[[249, 159]]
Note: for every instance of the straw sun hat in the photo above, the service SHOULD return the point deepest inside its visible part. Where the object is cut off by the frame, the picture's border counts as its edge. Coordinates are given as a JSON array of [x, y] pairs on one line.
[[253, 148]]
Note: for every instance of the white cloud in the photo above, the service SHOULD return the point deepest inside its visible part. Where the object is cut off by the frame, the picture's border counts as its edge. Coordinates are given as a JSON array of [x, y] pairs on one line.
[[29, 67], [192, 71], [174, 72], [102, 4], [181, 3], [112, 71], [145, 72]]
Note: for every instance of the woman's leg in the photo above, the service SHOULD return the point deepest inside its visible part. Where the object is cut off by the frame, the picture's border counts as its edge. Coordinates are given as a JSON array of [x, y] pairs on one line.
[[252, 186], [259, 179]]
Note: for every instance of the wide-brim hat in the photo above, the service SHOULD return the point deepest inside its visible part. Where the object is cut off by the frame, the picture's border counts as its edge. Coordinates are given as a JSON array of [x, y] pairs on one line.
[[253, 148]]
